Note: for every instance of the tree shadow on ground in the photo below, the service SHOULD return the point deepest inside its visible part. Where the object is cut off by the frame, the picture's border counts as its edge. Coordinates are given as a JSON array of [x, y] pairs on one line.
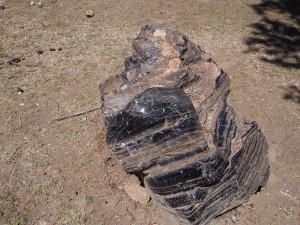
[[276, 36], [292, 93]]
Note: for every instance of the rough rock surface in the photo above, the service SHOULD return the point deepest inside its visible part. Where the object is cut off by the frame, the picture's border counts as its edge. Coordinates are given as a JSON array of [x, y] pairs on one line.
[[168, 121]]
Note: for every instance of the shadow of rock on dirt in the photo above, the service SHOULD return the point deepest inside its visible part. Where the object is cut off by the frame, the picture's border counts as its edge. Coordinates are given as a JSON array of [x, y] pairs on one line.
[[276, 36], [292, 93]]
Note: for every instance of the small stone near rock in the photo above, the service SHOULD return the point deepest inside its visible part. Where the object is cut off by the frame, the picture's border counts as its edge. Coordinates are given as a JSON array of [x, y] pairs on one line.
[[2, 5], [32, 3], [137, 193], [20, 91], [14, 61], [59, 49], [89, 13], [39, 51], [233, 219], [52, 49], [40, 4]]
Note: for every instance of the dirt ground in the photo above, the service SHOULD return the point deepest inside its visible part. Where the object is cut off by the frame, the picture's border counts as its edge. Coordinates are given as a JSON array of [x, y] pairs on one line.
[[61, 172]]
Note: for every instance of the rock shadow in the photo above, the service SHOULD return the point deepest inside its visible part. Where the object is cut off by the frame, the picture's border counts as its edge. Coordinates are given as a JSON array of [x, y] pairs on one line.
[[276, 36], [292, 93]]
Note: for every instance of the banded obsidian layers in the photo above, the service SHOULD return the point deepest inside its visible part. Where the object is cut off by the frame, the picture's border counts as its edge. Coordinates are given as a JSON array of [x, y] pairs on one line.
[[167, 117], [152, 125]]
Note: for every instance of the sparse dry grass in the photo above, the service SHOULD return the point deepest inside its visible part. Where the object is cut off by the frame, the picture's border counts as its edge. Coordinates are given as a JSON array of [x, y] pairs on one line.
[[60, 173]]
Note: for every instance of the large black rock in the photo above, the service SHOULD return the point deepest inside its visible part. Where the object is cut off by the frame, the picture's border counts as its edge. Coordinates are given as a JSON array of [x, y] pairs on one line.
[[168, 121]]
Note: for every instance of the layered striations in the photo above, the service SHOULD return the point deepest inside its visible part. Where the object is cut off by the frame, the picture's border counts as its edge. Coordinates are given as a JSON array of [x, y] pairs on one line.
[[167, 118]]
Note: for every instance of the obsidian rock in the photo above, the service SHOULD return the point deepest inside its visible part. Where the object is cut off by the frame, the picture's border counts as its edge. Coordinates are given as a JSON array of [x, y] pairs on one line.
[[168, 120]]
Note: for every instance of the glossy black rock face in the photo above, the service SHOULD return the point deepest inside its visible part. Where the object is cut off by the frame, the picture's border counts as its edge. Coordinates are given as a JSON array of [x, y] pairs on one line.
[[153, 108], [167, 118]]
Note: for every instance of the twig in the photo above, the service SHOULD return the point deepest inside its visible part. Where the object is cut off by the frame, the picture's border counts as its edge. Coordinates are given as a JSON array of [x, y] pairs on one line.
[[20, 122], [286, 194], [74, 115], [246, 221], [248, 206], [111, 184]]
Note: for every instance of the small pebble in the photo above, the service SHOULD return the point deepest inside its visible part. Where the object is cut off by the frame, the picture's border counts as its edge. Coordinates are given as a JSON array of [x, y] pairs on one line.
[[89, 13], [2, 5], [59, 49], [52, 49], [233, 219], [32, 3], [20, 91], [39, 4], [39, 51], [42, 223], [14, 61]]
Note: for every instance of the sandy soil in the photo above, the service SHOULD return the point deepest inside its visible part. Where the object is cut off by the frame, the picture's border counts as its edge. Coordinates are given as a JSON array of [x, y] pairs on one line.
[[61, 172]]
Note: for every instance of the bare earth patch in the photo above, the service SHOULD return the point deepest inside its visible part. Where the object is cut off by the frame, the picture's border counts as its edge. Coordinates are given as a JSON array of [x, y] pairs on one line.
[[62, 172]]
